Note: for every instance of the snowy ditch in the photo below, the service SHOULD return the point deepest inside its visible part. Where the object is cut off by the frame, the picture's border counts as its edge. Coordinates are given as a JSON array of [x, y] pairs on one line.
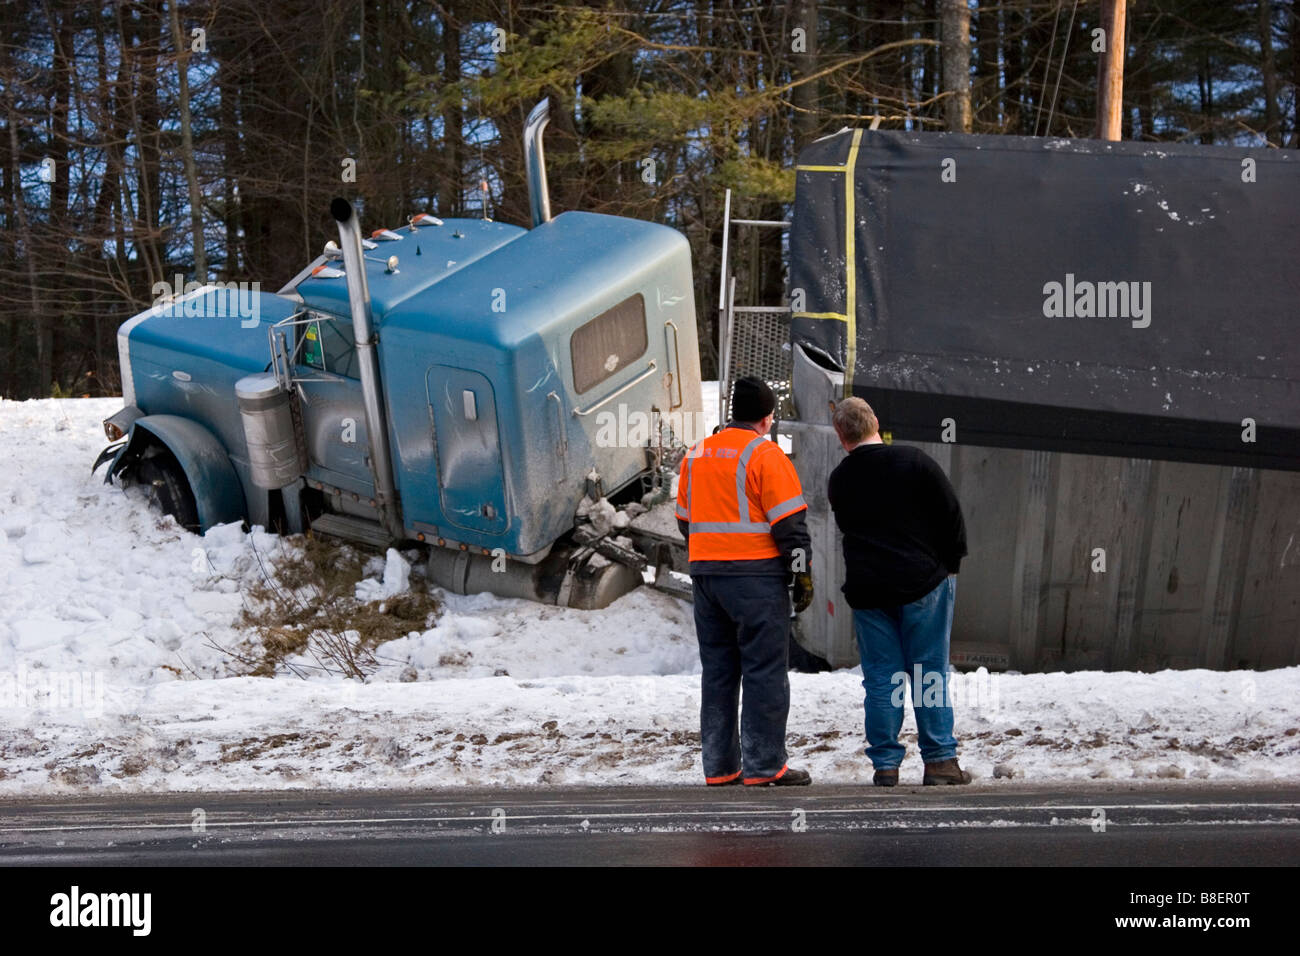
[[124, 650]]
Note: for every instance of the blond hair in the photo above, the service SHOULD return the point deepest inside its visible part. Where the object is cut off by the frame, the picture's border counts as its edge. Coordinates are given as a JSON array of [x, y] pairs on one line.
[[854, 420]]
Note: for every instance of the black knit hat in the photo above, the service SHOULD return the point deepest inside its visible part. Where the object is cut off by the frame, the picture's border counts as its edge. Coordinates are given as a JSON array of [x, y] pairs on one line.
[[751, 400]]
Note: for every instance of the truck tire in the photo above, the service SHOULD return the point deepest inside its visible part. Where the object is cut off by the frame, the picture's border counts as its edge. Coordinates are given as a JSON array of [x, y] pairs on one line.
[[169, 489], [805, 662]]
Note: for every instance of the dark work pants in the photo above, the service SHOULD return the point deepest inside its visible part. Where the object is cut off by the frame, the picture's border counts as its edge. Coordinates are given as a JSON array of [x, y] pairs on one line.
[[743, 627]]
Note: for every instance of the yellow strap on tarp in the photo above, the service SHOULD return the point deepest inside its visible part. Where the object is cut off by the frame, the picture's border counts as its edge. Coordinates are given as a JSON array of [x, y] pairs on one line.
[[849, 315], [850, 266]]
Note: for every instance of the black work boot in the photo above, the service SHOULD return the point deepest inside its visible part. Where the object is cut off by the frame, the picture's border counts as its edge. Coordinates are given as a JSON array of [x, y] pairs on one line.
[[886, 778], [788, 778], [945, 772]]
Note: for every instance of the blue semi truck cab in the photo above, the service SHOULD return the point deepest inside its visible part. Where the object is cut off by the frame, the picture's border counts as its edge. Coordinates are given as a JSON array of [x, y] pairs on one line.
[[462, 384]]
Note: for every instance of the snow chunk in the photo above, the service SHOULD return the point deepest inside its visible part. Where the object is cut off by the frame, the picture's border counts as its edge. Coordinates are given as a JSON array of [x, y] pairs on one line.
[[45, 542], [397, 578], [39, 632]]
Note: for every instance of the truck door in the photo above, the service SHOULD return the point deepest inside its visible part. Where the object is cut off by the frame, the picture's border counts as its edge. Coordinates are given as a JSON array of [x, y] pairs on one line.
[[471, 479], [333, 412]]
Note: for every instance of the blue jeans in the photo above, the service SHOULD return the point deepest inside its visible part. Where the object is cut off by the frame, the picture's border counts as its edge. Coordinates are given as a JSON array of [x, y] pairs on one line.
[[902, 646]]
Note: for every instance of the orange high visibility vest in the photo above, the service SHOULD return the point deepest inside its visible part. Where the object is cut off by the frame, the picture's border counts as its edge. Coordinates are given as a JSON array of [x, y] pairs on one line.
[[732, 487]]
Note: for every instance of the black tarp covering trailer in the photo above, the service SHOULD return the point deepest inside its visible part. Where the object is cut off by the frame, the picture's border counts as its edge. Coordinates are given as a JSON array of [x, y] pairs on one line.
[[1085, 296], [1101, 342]]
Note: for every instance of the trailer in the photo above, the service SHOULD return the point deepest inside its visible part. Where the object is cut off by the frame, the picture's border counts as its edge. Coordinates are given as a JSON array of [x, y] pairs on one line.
[[1098, 342]]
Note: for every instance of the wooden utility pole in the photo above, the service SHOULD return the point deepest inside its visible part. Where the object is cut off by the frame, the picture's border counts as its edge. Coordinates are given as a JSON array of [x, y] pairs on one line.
[[955, 30], [803, 14], [1110, 71]]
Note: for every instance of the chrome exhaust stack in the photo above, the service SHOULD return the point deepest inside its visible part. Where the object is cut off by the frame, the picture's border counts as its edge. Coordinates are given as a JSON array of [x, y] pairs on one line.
[[372, 393], [539, 199]]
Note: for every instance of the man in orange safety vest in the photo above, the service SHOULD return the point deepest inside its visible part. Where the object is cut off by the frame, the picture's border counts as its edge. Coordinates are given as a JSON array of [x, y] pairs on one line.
[[740, 507]]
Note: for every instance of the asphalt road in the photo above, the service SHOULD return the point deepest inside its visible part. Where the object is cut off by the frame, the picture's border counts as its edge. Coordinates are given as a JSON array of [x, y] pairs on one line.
[[1112, 824]]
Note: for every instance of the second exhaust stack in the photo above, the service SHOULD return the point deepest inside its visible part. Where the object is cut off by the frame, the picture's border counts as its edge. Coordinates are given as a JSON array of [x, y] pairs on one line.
[[539, 199]]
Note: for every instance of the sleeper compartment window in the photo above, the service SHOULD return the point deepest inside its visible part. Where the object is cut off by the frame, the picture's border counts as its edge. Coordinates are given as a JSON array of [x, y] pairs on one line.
[[608, 343]]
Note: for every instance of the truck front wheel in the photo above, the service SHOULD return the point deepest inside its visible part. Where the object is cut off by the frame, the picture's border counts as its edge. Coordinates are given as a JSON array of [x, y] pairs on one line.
[[169, 489]]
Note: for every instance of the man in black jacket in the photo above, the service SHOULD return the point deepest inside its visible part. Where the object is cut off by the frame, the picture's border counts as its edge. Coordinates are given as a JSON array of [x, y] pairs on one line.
[[904, 539]]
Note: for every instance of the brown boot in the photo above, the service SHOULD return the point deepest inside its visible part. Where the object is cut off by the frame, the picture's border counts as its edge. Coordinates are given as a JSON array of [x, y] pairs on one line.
[[945, 771], [886, 778]]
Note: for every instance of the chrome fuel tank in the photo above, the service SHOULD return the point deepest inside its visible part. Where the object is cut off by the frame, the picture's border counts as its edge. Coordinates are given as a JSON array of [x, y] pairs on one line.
[[275, 455]]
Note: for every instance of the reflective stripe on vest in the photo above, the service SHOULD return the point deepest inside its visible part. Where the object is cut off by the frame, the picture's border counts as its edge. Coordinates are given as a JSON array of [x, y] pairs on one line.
[[689, 476], [786, 507]]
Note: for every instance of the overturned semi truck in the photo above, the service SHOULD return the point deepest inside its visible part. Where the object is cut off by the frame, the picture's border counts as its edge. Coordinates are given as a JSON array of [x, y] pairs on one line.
[[444, 384], [1100, 342]]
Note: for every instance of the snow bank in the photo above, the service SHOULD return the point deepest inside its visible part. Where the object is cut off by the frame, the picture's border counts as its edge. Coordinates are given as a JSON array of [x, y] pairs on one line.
[[112, 676]]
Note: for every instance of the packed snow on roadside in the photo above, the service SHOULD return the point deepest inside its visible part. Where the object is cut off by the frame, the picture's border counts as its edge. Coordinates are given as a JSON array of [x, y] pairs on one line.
[[116, 676]]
